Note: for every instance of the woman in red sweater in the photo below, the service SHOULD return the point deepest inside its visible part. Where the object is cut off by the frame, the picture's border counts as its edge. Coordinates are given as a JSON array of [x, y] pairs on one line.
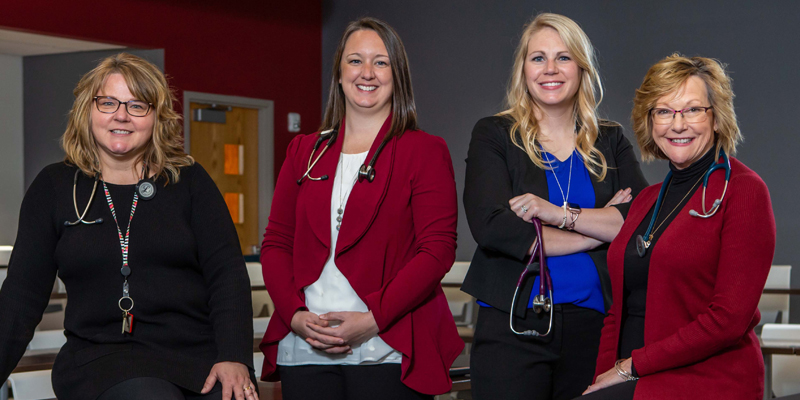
[[687, 281]]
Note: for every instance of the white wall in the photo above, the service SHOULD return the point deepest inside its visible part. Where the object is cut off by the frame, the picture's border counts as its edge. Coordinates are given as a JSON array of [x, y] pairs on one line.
[[11, 150]]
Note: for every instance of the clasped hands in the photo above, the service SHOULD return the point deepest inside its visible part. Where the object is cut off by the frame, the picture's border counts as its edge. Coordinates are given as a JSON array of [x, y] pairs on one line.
[[319, 331]]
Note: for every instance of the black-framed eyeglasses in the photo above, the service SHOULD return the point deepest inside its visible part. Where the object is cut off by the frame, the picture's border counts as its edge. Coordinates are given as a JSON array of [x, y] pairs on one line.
[[110, 105], [665, 116]]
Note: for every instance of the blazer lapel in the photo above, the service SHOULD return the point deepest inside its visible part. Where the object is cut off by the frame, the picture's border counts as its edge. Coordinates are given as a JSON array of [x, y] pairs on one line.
[[317, 199], [366, 197]]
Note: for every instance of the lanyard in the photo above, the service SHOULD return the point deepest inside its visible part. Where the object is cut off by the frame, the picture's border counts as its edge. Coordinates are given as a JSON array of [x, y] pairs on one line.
[[127, 317]]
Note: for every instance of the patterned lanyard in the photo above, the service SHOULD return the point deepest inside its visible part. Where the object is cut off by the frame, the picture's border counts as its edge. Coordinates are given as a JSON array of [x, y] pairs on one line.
[[127, 317]]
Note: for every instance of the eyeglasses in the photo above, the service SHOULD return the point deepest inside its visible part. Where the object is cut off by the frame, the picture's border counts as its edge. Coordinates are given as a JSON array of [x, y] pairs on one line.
[[665, 116], [110, 105]]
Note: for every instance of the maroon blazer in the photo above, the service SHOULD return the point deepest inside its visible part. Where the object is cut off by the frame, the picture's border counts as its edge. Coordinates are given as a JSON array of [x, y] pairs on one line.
[[396, 243], [705, 280]]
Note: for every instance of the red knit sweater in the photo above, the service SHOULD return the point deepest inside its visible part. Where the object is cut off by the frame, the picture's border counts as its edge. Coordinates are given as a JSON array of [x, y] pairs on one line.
[[705, 280]]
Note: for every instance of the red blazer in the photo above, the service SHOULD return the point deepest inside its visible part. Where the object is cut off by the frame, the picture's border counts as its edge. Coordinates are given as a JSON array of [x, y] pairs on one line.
[[396, 243], [705, 280]]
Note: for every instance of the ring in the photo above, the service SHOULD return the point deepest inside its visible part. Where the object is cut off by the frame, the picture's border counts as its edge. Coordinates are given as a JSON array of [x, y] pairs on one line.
[[524, 209], [246, 388]]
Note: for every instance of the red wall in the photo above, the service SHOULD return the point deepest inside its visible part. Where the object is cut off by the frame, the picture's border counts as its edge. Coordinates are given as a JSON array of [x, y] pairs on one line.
[[263, 49]]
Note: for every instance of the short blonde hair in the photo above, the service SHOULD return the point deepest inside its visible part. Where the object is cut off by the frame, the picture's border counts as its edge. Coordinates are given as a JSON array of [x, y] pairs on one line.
[[164, 154], [668, 75], [520, 105]]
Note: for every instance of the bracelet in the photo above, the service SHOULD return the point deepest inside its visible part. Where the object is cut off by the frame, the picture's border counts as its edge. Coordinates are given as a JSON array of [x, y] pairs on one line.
[[564, 221], [622, 373], [575, 212]]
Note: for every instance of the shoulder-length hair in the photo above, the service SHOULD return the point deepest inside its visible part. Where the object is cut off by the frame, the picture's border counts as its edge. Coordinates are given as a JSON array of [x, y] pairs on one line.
[[669, 75], [404, 111], [163, 155], [521, 107]]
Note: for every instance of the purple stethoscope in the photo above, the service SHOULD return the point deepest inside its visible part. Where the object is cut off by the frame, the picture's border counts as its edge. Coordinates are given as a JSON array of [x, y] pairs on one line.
[[541, 302]]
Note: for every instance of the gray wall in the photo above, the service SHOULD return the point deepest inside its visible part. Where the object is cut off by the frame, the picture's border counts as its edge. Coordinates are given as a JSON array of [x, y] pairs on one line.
[[461, 55], [11, 162], [48, 83]]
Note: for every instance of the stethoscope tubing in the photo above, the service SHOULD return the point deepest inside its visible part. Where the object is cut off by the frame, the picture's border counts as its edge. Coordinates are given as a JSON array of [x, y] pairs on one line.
[[541, 302], [89, 204]]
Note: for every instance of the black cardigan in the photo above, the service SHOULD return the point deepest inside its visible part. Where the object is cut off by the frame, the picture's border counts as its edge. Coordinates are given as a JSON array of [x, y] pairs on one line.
[[192, 293], [497, 170]]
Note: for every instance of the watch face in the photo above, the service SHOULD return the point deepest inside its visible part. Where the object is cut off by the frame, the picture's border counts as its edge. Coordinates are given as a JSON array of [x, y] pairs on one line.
[[574, 205]]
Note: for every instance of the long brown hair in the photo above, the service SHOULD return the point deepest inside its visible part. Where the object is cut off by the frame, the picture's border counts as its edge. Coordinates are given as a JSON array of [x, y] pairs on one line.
[[164, 153], [520, 105], [404, 111]]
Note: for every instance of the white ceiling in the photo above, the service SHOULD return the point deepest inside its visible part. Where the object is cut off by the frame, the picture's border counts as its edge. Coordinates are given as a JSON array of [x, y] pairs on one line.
[[30, 44]]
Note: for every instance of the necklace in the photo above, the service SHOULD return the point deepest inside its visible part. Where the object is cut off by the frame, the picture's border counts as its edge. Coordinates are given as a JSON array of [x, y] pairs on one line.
[[641, 244], [569, 181], [340, 210]]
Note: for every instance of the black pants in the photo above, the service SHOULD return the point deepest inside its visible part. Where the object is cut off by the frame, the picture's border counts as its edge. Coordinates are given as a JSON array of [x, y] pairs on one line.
[[155, 388], [559, 366], [346, 382]]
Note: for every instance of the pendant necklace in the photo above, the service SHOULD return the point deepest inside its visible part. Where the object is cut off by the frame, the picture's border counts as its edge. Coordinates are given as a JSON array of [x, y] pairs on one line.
[[641, 244], [569, 181], [340, 210]]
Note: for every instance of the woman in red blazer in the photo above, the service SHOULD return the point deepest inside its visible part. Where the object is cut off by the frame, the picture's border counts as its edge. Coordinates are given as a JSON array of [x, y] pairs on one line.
[[686, 283], [362, 230]]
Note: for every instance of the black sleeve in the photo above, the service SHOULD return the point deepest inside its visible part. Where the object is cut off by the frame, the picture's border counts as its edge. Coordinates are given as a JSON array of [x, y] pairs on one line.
[[487, 190], [630, 173], [31, 273], [220, 257]]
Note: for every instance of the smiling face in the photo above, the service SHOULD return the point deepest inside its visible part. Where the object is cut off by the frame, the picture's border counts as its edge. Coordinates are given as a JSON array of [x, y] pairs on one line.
[[366, 74], [551, 74], [120, 136], [684, 143]]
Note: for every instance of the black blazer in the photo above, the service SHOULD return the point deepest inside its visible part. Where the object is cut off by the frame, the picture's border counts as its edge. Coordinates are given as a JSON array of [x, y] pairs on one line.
[[497, 170]]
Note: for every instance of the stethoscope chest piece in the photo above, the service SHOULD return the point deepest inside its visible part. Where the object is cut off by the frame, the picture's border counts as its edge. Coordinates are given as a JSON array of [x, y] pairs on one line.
[[146, 190], [542, 303], [366, 172], [641, 246]]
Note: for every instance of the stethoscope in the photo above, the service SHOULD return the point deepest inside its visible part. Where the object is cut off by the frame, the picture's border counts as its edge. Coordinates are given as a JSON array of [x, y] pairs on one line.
[[541, 302], [145, 188], [642, 245], [366, 171]]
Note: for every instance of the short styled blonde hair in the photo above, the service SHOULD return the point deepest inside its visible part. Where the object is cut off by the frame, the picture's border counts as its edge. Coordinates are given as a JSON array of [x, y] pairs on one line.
[[164, 154], [668, 75]]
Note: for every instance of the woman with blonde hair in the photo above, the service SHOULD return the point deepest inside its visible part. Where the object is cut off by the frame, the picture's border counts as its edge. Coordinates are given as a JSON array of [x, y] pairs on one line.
[[132, 225], [690, 263], [547, 156]]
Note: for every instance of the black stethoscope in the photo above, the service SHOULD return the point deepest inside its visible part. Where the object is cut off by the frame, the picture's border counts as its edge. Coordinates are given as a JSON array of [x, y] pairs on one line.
[[642, 245], [366, 171], [146, 189], [541, 302]]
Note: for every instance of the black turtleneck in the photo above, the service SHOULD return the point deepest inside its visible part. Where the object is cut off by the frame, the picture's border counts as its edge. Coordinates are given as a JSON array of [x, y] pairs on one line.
[[682, 186]]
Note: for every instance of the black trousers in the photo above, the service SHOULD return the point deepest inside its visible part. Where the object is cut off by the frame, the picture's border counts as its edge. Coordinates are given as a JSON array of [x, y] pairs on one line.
[[155, 388], [346, 382], [559, 366]]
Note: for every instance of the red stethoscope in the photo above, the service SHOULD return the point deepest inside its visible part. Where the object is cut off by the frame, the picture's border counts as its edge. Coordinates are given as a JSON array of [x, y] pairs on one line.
[[541, 302]]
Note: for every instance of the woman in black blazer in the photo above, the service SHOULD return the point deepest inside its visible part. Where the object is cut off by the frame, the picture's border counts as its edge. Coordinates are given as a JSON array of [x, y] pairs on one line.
[[547, 156]]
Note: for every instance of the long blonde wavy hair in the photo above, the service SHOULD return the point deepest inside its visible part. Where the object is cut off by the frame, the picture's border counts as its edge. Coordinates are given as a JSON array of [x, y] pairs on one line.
[[164, 155], [521, 107]]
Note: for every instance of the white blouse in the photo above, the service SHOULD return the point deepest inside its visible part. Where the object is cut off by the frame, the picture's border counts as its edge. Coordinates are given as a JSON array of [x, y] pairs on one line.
[[333, 292]]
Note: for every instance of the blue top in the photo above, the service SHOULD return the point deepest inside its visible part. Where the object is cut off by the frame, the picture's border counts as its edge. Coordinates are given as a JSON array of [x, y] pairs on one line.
[[574, 276]]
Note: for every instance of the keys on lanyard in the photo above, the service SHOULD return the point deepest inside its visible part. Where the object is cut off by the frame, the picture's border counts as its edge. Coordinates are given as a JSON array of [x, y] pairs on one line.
[[125, 302], [127, 316]]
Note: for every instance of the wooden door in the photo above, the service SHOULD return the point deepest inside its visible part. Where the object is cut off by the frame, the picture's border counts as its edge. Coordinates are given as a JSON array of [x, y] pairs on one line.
[[229, 152]]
